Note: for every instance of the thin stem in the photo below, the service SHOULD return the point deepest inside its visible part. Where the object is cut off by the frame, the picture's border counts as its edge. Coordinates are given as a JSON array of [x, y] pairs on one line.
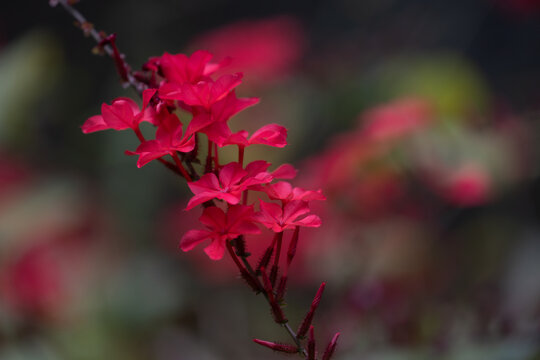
[[216, 156], [250, 270], [139, 134], [192, 171], [89, 29], [234, 256], [192, 156], [267, 255], [278, 248], [295, 338], [208, 166], [117, 57], [247, 264], [107, 43], [241, 155], [181, 167], [275, 267], [170, 166]]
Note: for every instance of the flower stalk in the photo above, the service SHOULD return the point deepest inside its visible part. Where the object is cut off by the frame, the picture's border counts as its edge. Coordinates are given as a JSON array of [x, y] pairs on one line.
[[172, 82]]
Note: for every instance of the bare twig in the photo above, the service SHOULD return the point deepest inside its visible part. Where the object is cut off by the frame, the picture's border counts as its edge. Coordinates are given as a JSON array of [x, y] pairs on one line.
[[101, 41]]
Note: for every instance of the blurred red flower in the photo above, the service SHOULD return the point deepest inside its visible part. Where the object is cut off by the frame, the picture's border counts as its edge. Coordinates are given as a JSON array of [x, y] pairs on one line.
[[265, 50]]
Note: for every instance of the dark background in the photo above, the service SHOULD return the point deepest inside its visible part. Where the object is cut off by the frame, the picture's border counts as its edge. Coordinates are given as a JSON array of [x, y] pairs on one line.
[[91, 241]]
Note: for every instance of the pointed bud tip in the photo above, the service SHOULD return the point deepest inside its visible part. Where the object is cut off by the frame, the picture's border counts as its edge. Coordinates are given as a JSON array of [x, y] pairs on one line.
[[290, 349]]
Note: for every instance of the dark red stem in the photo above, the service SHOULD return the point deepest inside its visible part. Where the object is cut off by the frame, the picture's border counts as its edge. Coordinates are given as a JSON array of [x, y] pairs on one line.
[[98, 38], [311, 345], [181, 167], [241, 155], [208, 165], [216, 157]]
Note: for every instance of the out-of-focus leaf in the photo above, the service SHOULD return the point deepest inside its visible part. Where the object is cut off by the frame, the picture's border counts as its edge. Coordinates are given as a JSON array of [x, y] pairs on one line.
[[28, 350], [147, 289], [29, 69], [52, 204], [93, 339], [452, 83], [504, 350]]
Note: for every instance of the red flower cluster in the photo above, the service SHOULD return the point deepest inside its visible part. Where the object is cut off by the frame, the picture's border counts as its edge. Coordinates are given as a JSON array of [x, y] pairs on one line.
[[181, 82], [175, 82]]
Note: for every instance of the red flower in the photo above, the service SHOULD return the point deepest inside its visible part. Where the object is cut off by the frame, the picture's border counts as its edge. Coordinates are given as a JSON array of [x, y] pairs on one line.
[[285, 171], [181, 69], [221, 227], [213, 121], [469, 185], [285, 192], [33, 283], [271, 134], [280, 218], [229, 185], [168, 140], [122, 114], [203, 93], [266, 50]]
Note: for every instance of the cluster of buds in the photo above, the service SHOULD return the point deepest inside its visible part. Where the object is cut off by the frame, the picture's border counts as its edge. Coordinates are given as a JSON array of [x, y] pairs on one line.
[[231, 216]]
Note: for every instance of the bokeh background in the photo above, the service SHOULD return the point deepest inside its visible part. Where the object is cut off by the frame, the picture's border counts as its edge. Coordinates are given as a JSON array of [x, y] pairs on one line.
[[418, 119]]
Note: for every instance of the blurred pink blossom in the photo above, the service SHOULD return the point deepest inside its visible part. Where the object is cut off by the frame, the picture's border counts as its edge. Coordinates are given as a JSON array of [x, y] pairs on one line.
[[264, 50], [469, 185]]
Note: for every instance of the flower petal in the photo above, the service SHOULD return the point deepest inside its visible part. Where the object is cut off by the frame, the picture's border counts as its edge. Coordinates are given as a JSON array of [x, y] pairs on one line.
[[279, 191], [192, 238], [199, 122], [294, 209], [309, 221], [230, 105], [199, 199], [147, 96], [256, 167], [120, 114], [231, 174], [94, 123], [217, 132], [270, 214], [214, 218], [245, 228], [238, 138], [285, 171], [216, 249], [207, 182], [307, 195], [271, 134]]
